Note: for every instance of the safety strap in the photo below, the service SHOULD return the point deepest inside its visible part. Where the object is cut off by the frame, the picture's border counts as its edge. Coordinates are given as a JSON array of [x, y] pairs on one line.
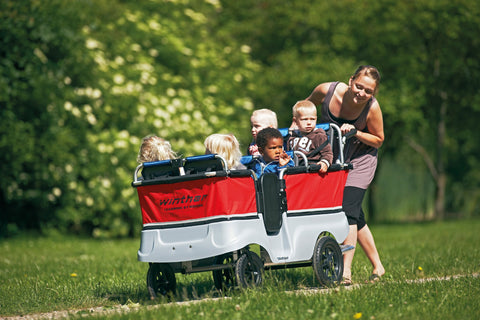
[[317, 150]]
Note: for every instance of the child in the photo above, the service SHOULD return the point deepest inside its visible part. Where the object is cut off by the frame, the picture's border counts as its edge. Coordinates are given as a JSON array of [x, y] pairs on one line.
[[273, 156], [260, 119], [312, 141], [226, 146], [154, 148]]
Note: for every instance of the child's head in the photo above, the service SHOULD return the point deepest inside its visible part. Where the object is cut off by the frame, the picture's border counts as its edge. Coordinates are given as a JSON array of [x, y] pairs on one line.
[[305, 116], [270, 144], [226, 146], [261, 119], [154, 148]]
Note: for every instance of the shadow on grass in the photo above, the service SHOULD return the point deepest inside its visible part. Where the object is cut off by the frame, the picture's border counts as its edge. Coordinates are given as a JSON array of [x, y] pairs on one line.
[[292, 278], [201, 286], [187, 290]]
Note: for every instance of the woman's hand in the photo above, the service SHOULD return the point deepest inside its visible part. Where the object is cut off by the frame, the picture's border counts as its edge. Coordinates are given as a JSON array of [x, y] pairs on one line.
[[345, 128]]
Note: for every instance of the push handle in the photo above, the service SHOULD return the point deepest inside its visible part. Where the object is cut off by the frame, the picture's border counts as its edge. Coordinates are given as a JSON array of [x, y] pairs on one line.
[[350, 133]]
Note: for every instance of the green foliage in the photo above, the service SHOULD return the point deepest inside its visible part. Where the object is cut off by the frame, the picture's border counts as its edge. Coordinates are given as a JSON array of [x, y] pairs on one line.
[[422, 48], [85, 86], [83, 81], [39, 57]]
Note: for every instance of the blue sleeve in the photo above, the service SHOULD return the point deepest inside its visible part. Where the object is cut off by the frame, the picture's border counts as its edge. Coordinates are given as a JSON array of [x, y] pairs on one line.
[[290, 164], [271, 167], [258, 169], [274, 167]]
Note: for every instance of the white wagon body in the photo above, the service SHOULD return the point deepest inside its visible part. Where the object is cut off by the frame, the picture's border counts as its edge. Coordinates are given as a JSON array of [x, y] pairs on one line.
[[200, 216]]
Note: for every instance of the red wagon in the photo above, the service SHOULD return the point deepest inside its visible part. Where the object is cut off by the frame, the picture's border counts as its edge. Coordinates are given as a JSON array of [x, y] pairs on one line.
[[200, 216]]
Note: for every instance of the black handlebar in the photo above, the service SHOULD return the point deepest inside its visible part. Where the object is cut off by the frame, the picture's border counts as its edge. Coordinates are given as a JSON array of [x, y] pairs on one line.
[[350, 133]]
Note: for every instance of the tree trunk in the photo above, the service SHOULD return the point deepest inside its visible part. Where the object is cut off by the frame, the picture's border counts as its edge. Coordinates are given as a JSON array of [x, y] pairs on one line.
[[440, 196], [441, 175]]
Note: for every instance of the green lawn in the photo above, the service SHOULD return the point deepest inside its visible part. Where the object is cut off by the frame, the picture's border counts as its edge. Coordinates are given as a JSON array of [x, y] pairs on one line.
[[40, 275]]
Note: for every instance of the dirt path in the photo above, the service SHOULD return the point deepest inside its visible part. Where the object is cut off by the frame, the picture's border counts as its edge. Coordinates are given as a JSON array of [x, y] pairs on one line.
[[358, 285], [120, 309]]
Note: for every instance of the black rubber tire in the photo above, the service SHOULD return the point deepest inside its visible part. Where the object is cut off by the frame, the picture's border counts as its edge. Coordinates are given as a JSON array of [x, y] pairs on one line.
[[224, 279], [161, 280], [328, 262], [249, 270]]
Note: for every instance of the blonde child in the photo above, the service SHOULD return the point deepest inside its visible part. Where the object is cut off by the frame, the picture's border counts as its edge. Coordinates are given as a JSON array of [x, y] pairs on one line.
[[226, 146], [306, 138], [260, 119], [154, 148]]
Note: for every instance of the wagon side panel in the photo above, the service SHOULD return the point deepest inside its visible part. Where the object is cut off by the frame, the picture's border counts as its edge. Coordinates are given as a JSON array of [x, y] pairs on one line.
[[315, 206], [196, 200], [196, 219]]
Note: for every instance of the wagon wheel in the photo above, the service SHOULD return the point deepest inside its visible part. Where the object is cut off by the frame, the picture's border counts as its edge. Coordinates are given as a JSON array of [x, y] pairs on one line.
[[249, 270], [328, 262], [160, 280], [224, 279]]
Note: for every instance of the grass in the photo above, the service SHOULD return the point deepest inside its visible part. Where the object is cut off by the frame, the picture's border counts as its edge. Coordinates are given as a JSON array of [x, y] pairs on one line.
[[40, 275]]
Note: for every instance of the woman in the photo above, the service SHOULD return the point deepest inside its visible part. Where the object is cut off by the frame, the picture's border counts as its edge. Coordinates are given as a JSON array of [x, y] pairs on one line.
[[354, 106]]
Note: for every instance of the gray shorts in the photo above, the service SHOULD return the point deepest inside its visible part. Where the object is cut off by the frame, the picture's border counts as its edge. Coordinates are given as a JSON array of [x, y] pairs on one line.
[[363, 171]]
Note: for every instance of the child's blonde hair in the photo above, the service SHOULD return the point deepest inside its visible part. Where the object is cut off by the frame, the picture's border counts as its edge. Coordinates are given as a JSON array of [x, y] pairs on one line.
[[302, 105], [269, 115], [154, 148], [226, 146]]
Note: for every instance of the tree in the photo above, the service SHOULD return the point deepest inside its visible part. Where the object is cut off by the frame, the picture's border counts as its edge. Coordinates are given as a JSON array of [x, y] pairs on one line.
[[39, 56], [440, 61], [426, 51], [85, 82]]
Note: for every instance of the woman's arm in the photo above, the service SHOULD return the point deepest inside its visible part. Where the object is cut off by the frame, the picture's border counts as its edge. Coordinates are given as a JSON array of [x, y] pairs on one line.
[[319, 93], [375, 135]]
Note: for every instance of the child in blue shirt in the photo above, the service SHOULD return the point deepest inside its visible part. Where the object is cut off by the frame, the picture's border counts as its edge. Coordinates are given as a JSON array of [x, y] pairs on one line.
[[273, 156]]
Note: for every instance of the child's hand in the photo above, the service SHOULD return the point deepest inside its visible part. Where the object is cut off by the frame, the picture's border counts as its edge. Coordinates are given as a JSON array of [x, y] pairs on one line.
[[253, 150], [284, 159], [323, 167]]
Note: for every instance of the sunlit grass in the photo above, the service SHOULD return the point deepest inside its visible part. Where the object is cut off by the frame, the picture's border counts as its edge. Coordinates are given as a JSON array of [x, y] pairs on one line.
[[46, 274]]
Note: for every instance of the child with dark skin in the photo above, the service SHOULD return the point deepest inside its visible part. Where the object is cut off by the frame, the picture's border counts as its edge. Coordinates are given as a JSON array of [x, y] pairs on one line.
[[273, 156]]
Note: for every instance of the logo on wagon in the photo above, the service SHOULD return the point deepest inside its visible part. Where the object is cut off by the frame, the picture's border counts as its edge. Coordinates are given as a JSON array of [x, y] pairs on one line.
[[183, 202]]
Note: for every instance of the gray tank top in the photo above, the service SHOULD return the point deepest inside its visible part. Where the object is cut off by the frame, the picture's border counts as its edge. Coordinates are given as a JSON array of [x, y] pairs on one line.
[[354, 148], [363, 157]]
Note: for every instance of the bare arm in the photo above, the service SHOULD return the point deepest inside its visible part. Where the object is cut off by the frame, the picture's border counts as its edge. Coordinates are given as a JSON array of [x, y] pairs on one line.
[[375, 135], [319, 93]]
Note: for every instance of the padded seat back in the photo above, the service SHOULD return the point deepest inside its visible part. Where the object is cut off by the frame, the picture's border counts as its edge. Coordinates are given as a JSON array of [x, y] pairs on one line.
[[271, 202], [161, 169], [203, 163]]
